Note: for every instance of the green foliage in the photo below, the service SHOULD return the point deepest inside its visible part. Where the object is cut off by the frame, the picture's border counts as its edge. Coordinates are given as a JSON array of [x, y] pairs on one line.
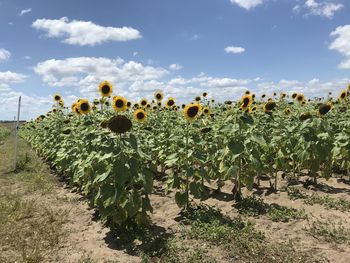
[[330, 231], [252, 206]]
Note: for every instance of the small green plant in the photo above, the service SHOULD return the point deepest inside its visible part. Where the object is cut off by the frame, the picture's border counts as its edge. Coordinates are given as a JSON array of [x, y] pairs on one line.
[[330, 231], [329, 202], [253, 206]]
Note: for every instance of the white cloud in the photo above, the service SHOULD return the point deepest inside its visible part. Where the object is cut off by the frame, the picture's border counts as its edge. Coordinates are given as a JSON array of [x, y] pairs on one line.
[[85, 73], [25, 11], [135, 53], [247, 4], [4, 54], [27, 57], [325, 8], [9, 77], [175, 67], [341, 44], [234, 50], [84, 33]]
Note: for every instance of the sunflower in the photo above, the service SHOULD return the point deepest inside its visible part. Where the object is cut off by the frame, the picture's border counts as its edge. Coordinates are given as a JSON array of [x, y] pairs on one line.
[[128, 104], [105, 88], [197, 98], [253, 109], [119, 103], [263, 96], [287, 111], [269, 106], [246, 101], [83, 106], [303, 102], [282, 95], [57, 97], [300, 97], [143, 102], [269, 100], [170, 102], [274, 94], [140, 115], [294, 95], [159, 96], [205, 94], [206, 111], [247, 92], [159, 104], [323, 109], [191, 111], [343, 95], [118, 124], [61, 103], [96, 102], [183, 106], [136, 105], [54, 110]]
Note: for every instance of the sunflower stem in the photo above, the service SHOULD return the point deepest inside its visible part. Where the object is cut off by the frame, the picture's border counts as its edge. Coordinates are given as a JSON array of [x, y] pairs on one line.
[[186, 160]]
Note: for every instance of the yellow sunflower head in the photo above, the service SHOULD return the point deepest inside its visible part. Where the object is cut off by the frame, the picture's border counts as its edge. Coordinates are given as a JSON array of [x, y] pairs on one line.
[[159, 96], [61, 103], [128, 104], [57, 97], [84, 106], [170, 102], [192, 111], [300, 98], [105, 88], [246, 101], [119, 103], [343, 95], [197, 98], [206, 111], [287, 111], [205, 94], [140, 115], [269, 106], [294, 95], [143, 102]]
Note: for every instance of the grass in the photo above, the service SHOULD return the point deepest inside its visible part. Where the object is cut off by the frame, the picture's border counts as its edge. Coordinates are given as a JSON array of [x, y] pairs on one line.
[[30, 229], [253, 206], [209, 236], [4, 133], [330, 231], [325, 200]]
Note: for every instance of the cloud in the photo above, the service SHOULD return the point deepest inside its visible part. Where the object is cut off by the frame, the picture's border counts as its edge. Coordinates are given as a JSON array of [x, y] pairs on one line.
[[27, 57], [4, 54], [247, 4], [84, 33], [9, 77], [324, 9], [175, 67], [341, 44], [85, 73], [25, 11], [234, 50]]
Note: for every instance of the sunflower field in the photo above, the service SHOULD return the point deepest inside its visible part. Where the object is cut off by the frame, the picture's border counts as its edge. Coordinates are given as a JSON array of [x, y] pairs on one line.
[[113, 149]]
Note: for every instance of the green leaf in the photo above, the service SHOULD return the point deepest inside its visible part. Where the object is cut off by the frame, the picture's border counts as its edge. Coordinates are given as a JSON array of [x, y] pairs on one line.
[[181, 199], [236, 147]]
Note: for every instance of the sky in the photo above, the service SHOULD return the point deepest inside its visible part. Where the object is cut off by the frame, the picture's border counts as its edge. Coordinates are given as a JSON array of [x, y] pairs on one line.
[[182, 47]]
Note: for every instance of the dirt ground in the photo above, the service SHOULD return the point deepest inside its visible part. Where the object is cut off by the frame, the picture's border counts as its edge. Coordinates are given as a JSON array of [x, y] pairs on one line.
[[77, 235]]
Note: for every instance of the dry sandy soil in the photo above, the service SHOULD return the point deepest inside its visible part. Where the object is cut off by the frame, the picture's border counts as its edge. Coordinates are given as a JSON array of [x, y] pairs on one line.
[[77, 235]]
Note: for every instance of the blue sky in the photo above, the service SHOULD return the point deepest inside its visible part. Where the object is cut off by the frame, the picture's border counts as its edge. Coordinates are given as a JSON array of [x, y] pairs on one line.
[[181, 47]]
